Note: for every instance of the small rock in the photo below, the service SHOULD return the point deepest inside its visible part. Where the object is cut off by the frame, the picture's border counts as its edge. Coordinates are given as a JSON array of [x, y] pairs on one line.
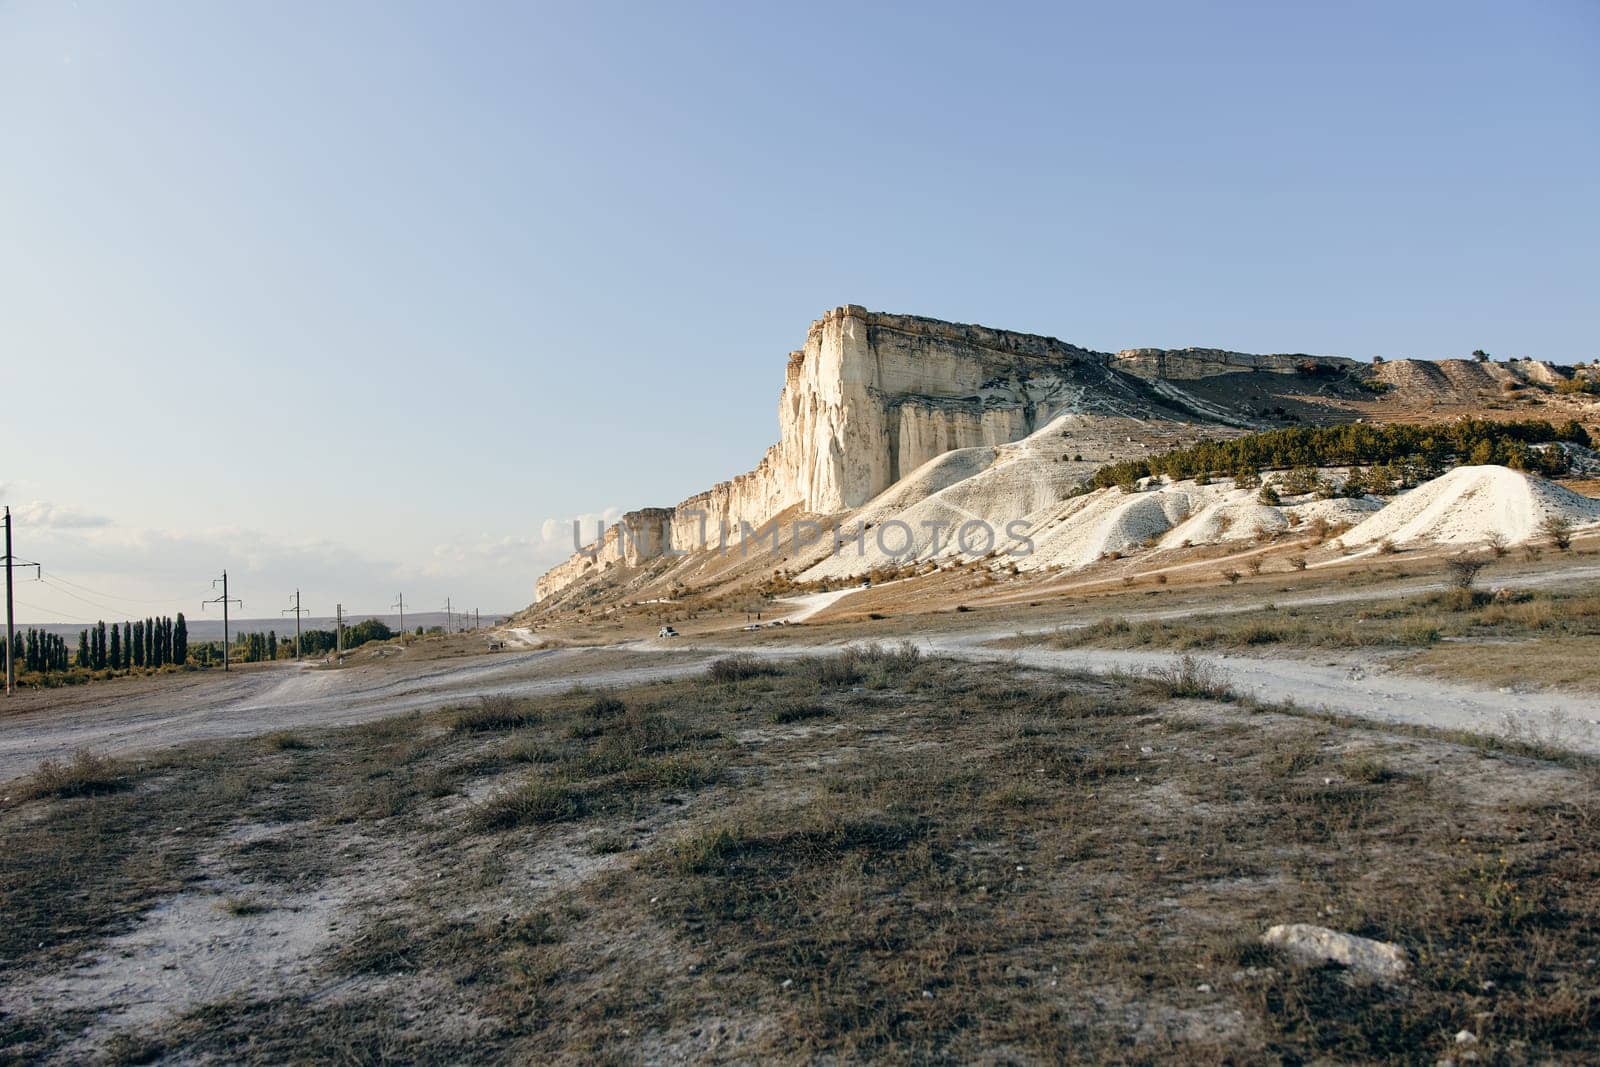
[[1318, 944], [927, 994], [787, 982], [1466, 1037], [1202, 988]]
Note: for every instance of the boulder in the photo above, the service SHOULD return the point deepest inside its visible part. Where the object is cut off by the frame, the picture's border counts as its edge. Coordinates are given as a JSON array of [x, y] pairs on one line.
[[1310, 944]]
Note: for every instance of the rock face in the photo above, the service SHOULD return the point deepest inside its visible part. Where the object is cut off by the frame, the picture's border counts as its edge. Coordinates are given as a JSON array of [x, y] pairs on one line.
[[1193, 363], [870, 398]]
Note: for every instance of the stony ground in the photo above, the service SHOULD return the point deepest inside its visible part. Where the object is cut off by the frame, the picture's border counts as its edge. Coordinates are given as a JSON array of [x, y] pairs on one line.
[[863, 856]]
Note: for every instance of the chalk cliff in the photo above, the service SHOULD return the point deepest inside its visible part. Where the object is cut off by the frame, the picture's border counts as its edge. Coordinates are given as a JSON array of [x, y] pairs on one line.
[[872, 397]]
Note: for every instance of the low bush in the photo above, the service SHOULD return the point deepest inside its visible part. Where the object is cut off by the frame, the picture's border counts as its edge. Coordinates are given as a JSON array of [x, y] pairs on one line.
[[496, 712], [86, 774], [738, 668]]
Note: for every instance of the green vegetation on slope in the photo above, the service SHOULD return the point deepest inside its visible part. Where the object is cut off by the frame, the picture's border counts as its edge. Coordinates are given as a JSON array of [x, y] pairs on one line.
[[1404, 454]]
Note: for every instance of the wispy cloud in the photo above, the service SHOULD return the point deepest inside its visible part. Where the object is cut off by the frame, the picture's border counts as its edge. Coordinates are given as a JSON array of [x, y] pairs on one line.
[[42, 513], [519, 558]]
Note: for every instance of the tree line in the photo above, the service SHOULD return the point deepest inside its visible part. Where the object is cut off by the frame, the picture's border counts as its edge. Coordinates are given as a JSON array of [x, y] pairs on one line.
[[150, 642], [157, 642], [143, 643], [40, 651], [1398, 454]]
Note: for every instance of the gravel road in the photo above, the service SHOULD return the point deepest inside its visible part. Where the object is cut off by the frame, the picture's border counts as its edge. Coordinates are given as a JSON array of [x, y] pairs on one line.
[[117, 720]]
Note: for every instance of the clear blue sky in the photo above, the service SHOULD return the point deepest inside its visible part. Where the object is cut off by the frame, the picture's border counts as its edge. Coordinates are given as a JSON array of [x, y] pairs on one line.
[[356, 296]]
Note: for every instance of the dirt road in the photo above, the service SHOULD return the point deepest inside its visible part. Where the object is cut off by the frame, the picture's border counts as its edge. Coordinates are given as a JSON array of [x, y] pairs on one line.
[[119, 721], [259, 702]]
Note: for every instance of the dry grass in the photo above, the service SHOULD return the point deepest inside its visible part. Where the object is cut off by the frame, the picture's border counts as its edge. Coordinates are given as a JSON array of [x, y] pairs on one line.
[[1568, 621], [963, 863], [86, 774]]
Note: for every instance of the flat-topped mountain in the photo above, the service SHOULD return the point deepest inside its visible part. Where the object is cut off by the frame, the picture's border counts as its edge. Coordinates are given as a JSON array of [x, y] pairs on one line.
[[872, 398]]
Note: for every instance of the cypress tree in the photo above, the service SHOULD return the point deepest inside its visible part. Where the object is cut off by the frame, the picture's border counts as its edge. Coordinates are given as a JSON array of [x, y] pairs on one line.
[[137, 644], [115, 656], [83, 649], [180, 641], [149, 641], [127, 644], [272, 644]]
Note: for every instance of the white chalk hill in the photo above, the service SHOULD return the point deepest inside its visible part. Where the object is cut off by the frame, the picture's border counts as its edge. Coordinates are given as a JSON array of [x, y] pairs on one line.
[[1026, 481], [1469, 505]]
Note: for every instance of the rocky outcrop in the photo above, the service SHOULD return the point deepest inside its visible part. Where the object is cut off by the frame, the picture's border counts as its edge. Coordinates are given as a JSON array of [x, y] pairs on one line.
[[636, 537], [1193, 363], [871, 397]]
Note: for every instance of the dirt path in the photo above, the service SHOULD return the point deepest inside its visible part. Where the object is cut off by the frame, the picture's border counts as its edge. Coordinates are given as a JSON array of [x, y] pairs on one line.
[[1342, 686], [246, 704], [264, 701]]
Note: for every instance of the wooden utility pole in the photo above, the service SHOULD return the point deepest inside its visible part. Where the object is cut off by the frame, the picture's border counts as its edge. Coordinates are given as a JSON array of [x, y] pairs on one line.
[[11, 620], [400, 603], [338, 640], [224, 601]]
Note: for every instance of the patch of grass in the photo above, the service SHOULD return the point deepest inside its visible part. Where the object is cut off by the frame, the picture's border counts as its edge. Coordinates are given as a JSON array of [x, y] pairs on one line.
[[243, 906], [1419, 622], [1190, 677], [528, 804], [285, 741], [382, 945], [496, 713], [1366, 768], [798, 712], [84, 775], [738, 668]]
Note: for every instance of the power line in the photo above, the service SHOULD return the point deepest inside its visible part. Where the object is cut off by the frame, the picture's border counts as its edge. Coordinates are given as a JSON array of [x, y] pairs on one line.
[[56, 576], [47, 611], [84, 600]]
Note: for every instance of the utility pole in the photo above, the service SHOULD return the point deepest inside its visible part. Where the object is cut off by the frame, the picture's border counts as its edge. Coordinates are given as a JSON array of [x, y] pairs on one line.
[[224, 601], [338, 640], [449, 619], [474, 618], [296, 610], [11, 622], [401, 604]]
